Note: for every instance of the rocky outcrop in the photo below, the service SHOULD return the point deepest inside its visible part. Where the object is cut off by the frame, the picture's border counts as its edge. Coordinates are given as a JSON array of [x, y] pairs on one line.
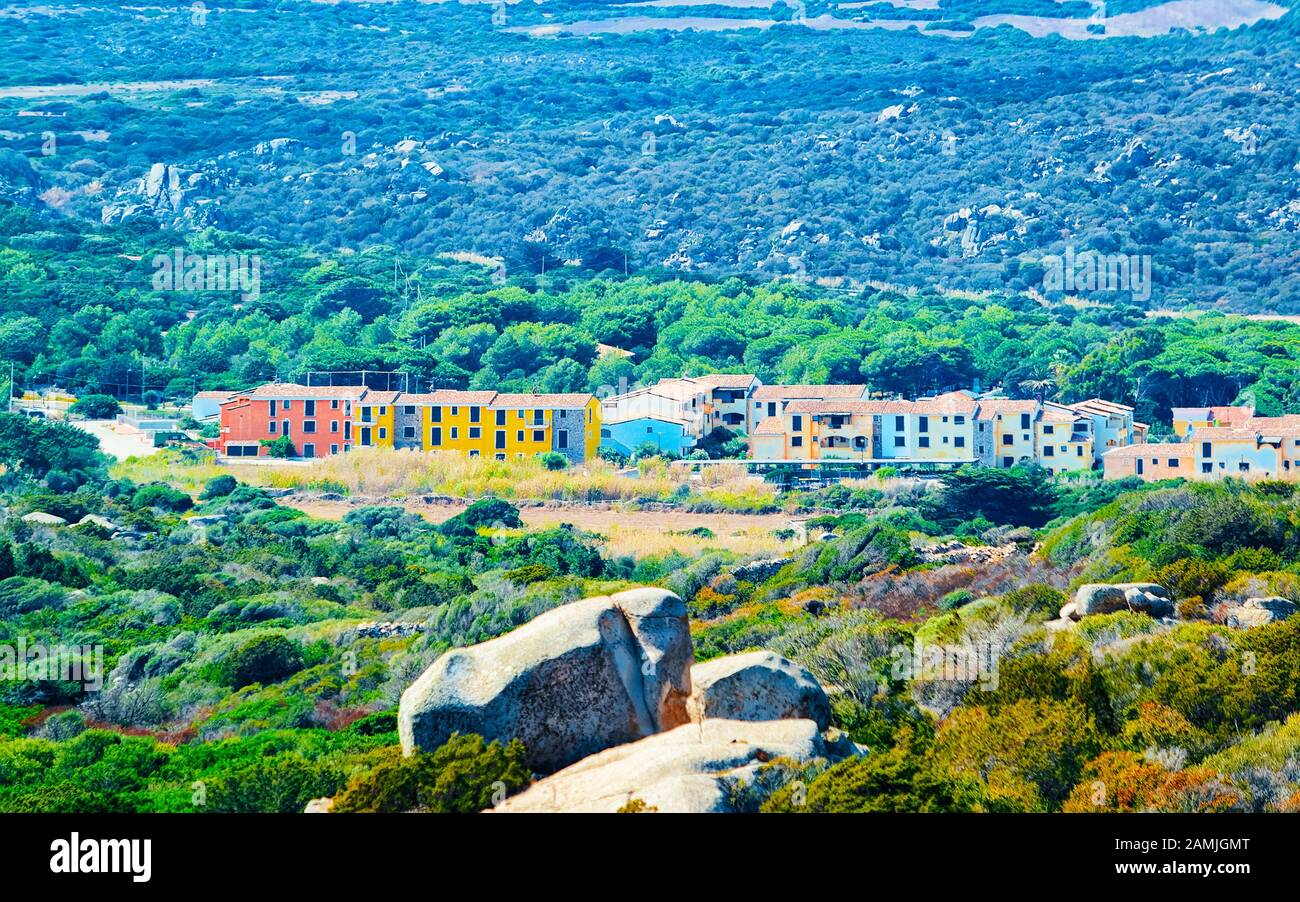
[[691, 769], [319, 806], [756, 686], [758, 571], [1104, 598], [1260, 612], [576, 680]]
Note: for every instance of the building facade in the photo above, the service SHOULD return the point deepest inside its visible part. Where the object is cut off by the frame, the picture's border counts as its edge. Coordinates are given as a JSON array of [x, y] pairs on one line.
[[321, 421]]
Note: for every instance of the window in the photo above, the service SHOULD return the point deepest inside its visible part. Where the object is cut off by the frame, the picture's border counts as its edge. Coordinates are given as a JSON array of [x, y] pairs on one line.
[[519, 414], [383, 410], [409, 410], [1078, 450], [500, 441], [1207, 468], [519, 436], [1008, 461], [900, 423], [408, 432], [1049, 451], [347, 429], [539, 417], [284, 426], [435, 414], [1173, 462], [499, 456], [1139, 466], [1205, 449], [474, 452], [455, 433], [383, 432], [923, 441], [1008, 439], [1048, 430], [539, 435], [796, 441], [435, 437], [501, 417], [562, 439], [309, 408], [309, 427], [271, 427], [959, 420], [1024, 421], [475, 432], [288, 404], [272, 408], [922, 424], [959, 441], [334, 449], [309, 450], [334, 405], [899, 441], [771, 412], [334, 425], [796, 423], [1244, 466], [474, 414]]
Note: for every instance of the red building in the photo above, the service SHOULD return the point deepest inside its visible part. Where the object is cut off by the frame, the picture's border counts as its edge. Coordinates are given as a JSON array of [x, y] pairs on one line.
[[318, 419]]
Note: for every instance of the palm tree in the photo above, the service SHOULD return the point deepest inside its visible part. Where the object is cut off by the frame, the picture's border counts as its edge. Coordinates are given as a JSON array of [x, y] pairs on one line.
[[1039, 387]]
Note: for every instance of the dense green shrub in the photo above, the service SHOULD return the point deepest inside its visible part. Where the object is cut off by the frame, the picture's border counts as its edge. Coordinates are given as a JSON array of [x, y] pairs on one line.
[[464, 775]]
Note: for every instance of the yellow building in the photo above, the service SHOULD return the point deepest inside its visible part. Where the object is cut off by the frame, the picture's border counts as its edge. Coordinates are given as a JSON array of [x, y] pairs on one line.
[[501, 426], [1064, 440], [373, 419]]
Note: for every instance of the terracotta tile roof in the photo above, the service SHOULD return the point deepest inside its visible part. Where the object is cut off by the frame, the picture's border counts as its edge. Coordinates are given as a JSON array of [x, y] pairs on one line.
[[725, 380], [949, 402], [1155, 449], [293, 391], [993, 407], [222, 395], [770, 426], [1231, 416], [572, 400], [381, 397], [815, 392], [447, 396]]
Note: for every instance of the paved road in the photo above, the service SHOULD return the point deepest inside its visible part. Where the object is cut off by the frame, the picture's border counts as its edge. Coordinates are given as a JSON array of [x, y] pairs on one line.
[[118, 441]]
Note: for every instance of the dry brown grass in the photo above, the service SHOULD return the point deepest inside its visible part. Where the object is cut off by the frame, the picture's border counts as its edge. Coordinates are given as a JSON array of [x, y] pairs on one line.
[[399, 474]]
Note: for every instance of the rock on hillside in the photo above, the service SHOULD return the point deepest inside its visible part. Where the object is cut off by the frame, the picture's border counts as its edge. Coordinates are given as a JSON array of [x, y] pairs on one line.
[[1260, 612], [757, 686], [581, 678], [691, 769], [1103, 598]]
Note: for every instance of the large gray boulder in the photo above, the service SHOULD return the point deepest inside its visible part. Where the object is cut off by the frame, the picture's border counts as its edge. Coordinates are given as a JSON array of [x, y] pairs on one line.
[[1106, 598], [758, 685], [1260, 612], [692, 769], [581, 678]]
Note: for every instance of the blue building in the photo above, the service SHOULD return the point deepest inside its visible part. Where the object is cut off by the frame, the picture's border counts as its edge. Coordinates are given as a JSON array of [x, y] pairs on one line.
[[665, 434]]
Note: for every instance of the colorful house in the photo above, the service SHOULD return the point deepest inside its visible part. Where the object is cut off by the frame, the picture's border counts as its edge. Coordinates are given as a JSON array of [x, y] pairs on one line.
[[317, 419], [1185, 419], [332, 420]]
